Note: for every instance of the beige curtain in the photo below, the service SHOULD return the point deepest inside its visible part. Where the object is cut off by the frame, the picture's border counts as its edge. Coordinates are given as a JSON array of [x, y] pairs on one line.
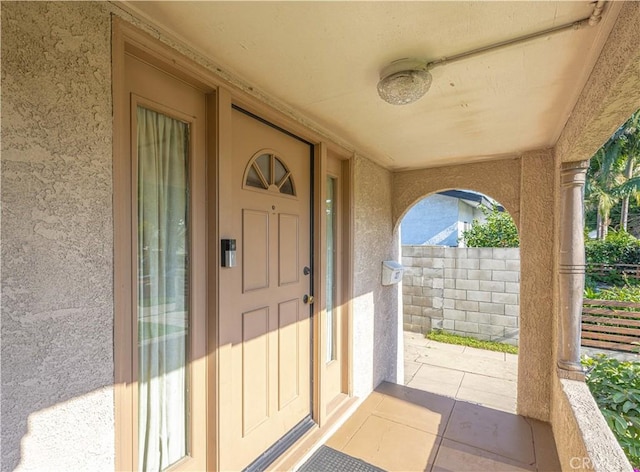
[[331, 271], [163, 311]]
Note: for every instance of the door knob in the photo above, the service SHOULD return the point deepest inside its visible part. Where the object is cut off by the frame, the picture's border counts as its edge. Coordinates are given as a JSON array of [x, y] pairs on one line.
[[308, 299]]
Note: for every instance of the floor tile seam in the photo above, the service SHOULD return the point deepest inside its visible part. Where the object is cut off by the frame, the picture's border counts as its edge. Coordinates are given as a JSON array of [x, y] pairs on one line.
[[393, 420], [489, 363], [443, 367], [446, 427], [492, 393], [466, 353], [467, 371], [460, 385], [533, 442], [475, 354], [435, 458], [414, 374], [357, 430], [493, 377], [467, 356], [346, 444], [490, 406], [519, 463]]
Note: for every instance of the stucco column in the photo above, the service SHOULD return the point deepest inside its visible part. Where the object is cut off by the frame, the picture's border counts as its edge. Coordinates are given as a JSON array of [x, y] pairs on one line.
[[572, 263]]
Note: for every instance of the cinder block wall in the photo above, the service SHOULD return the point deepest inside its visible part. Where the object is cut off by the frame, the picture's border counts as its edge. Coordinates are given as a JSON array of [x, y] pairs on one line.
[[467, 291]]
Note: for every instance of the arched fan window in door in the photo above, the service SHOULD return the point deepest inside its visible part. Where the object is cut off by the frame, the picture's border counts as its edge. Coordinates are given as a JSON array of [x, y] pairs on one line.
[[266, 171]]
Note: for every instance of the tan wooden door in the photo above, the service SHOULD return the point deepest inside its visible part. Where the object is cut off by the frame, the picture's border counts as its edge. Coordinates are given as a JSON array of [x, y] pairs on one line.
[[265, 363]]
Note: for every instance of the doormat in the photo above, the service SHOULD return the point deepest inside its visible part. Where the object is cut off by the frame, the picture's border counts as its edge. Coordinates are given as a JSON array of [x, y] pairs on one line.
[[326, 459]]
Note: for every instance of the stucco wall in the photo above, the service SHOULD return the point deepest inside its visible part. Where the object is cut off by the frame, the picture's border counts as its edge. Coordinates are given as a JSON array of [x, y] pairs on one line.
[[537, 245], [57, 346], [375, 307], [610, 95], [583, 439], [525, 186], [498, 179], [608, 99]]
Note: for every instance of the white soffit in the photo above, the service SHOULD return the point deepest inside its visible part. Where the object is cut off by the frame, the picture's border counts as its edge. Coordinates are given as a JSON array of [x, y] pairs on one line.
[[322, 59]]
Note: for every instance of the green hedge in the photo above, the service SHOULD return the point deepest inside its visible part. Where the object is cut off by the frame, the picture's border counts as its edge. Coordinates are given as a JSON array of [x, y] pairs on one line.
[[615, 385], [498, 230], [619, 248]]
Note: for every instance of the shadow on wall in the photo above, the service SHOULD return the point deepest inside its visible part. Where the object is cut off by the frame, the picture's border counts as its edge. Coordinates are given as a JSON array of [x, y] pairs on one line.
[[57, 394]]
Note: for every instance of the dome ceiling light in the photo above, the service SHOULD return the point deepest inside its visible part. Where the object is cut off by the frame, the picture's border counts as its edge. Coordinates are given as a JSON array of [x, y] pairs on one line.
[[407, 80], [404, 81]]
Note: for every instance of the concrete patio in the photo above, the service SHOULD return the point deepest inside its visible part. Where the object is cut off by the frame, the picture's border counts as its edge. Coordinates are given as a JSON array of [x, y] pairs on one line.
[[455, 413], [475, 375]]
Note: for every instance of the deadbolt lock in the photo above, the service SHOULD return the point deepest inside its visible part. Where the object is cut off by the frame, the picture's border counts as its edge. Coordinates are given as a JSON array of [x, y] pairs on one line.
[[308, 299]]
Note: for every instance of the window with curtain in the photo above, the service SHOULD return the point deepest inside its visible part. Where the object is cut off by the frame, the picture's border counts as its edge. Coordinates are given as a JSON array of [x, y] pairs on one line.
[[163, 289], [331, 285]]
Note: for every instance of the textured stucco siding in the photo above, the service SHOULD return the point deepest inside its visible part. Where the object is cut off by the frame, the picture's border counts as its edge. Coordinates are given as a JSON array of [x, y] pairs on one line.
[[57, 309], [610, 95], [375, 307], [525, 186], [498, 179], [583, 439], [537, 245]]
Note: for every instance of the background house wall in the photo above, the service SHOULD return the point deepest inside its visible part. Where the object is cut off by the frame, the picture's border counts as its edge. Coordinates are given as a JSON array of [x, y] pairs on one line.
[[57, 238], [438, 220], [466, 215], [433, 220]]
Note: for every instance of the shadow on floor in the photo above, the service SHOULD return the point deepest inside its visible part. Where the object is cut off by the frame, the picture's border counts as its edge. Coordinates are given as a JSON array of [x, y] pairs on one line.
[[399, 428]]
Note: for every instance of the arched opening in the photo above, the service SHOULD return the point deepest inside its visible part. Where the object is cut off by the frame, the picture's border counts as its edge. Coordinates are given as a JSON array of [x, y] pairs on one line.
[[460, 250]]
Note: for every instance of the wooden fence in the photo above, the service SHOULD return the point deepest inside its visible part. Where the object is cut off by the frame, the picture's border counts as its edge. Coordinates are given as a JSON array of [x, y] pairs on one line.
[[608, 324], [631, 271]]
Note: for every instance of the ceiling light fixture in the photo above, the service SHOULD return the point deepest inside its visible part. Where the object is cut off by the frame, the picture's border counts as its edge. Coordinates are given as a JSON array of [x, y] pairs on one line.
[[407, 80], [404, 81]]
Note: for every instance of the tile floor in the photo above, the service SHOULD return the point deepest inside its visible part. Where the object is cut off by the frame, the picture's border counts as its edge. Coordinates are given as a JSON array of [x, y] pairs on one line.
[[464, 373], [456, 413]]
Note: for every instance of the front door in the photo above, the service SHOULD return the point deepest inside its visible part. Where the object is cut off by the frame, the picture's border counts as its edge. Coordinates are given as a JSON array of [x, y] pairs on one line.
[[265, 329]]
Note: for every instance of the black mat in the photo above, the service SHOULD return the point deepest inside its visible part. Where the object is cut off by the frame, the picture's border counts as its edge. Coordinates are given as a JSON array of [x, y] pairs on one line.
[[326, 459]]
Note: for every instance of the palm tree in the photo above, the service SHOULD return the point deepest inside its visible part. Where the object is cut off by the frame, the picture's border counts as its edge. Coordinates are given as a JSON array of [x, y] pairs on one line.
[[629, 140], [602, 178], [612, 175]]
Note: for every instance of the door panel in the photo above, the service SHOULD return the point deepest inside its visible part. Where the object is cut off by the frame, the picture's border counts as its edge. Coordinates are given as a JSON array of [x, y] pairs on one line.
[[255, 368], [288, 249], [288, 348], [265, 364], [255, 250]]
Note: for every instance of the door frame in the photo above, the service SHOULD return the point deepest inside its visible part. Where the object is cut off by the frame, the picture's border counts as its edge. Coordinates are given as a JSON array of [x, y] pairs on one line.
[[221, 96], [129, 41]]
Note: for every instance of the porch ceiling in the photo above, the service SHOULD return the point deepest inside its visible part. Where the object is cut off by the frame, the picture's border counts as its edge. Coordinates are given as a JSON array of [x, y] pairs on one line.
[[322, 60]]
